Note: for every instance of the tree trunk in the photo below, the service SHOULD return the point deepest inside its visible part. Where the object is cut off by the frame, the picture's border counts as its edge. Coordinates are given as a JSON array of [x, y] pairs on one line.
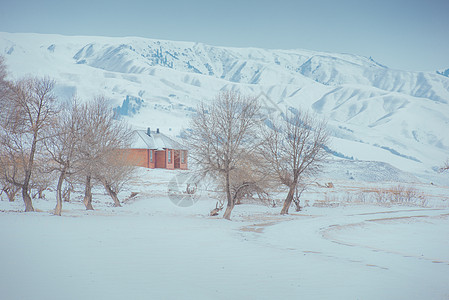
[[88, 194], [298, 207], [11, 195], [27, 199], [26, 196], [58, 207], [112, 194], [288, 200], [66, 194], [231, 204], [229, 208], [11, 192]]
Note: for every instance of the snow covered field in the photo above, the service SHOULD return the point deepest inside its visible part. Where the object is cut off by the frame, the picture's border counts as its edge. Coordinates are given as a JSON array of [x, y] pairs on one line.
[[153, 249], [348, 242]]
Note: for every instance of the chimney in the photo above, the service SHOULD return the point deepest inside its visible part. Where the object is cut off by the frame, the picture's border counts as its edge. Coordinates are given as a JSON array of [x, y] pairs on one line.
[[157, 130], [148, 131]]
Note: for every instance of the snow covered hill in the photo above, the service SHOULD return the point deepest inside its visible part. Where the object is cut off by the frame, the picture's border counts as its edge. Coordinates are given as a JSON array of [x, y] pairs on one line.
[[375, 113]]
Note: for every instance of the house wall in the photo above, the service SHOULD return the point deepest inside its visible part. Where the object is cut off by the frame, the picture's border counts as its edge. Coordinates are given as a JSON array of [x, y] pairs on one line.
[[141, 158], [137, 157]]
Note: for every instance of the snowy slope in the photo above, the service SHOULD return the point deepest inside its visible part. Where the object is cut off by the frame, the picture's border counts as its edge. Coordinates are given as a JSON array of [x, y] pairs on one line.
[[152, 249], [375, 113]]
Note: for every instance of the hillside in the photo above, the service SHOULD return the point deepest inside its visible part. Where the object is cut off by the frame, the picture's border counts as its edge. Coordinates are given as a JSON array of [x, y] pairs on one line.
[[375, 113]]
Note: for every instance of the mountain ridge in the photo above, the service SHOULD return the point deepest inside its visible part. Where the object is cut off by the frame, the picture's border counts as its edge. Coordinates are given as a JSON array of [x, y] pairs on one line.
[[387, 115]]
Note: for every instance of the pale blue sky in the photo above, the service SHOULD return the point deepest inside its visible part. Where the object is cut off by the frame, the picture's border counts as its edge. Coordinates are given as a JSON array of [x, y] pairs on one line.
[[402, 34]]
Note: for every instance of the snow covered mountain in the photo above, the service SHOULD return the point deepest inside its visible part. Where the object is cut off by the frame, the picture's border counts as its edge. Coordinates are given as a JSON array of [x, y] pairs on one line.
[[375, 113]]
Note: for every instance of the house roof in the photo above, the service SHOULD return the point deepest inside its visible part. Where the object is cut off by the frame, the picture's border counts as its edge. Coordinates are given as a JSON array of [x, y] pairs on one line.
[[156, 141]]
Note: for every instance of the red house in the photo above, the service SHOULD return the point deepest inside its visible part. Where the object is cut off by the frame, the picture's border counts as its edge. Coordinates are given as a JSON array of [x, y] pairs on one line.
[[152, 149]]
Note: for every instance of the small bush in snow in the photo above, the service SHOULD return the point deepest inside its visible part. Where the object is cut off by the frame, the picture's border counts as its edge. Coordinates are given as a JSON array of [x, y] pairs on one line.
[[397, 195]]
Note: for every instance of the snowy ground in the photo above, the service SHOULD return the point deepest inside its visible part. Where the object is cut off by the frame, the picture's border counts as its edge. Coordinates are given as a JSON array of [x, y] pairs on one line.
[[336, 248]]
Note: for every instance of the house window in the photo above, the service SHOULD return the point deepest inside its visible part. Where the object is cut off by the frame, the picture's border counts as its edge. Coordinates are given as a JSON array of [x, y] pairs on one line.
[[183, 157], [169, 156], [151, 155]]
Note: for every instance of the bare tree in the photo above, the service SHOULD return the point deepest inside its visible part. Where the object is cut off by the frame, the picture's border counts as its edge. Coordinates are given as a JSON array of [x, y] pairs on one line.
[[445, 166], [10, 190], [99, 151], [28, 107], [41, 179], [116, 173], [6, 187], [3, 69], [294, 149], [250, 179], [247, 181], [300, 188], [67, 190], [63, 137], [222, 135]]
